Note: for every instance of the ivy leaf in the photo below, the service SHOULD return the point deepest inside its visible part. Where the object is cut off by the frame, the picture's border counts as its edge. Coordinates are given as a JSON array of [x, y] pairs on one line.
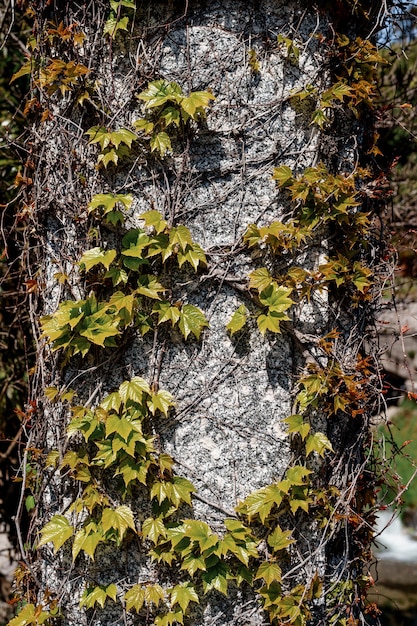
[[166, 312], [261, 502], [98, 595], [161, 142], [194, 256], [283, 175], [120, 519], [144, 125], [183, 594], [135, 598], [192, 320], [26, 69], [296, 424], [260, 279], [238, 320], [154, 594], [153, 529], [108, 201], [159, 92], [275, 297], [57, 530], [318, 443], [269, 571], [170, 618], [87, 539], [160, 401], [111, 402], [149, 286], [155, 220], [216, 578], [297, 474], [134, 389], [180, 235], [30, 614], [94, 256], [181, 490], [195, 101], [117, 275], [280, 539], [109, 156], [200, 532], [170, 115], [113, 24], [123, 135], [271, 322]]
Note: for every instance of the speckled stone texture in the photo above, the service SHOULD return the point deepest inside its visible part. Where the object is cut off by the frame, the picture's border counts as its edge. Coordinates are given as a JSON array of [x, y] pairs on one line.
[[226, 433]]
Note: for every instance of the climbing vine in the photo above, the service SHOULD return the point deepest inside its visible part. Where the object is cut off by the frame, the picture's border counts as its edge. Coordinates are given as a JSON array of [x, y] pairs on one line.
[[128, 489]]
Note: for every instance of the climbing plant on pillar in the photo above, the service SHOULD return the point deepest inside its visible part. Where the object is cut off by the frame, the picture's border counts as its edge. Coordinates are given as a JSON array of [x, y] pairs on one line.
[[208, 252]]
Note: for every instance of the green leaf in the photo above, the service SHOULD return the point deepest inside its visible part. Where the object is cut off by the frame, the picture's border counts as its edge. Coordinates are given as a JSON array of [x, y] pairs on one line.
[[195, 101], [166, 312], [275, 297], [113, 24], [260, 279], [261, 502], [160, 92], [270, 571], [57, 530], [283, 175], [144, 125], [280, 539], [181, 490], [154, 219], [170, 618], [109, 156], [135, 598], [87, 539], [200, 532], [318, 443], [271, 322], [238, 320], [30, 614], [108, 201], [111, 402], [98, 595], [120, 519], [170, 115], [94, 256], [194, 255], [134, 389], [183, 594], [180, 235], [192, 320], [123, 135], [296, 424], [161, 142], [216, 578], [149, 286], [160, 401], [297, 475], [154, 594], [153, 529]]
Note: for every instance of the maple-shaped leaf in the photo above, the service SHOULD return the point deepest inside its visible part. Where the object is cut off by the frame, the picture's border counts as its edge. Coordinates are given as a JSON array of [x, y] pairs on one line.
[[111, 401], [98, 595], [194, 255], [270, 571], [283, 175], [297, 475], [99, 134], [113, 24], [296, 424], [154, 594], [181, 490], [30, 614], [110, 155], [94, 256], [238, 320], [280, 539], [57, 530], [87, 539], [134, 389], [123, 135], [192, 320], [318, 443], [155, 220], [166, 312], [196, 102], [161, 142], [200, 532], [108, 201], [271, 321], [260, 279], [170, 618], [216, 578], [149, 286], [135, 598], [276, 298], [153, 529], [120, 519], [143, 125], [261, 502], [160, 401], [160, 92], [180, 235], [170, 115], [183, 594]]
